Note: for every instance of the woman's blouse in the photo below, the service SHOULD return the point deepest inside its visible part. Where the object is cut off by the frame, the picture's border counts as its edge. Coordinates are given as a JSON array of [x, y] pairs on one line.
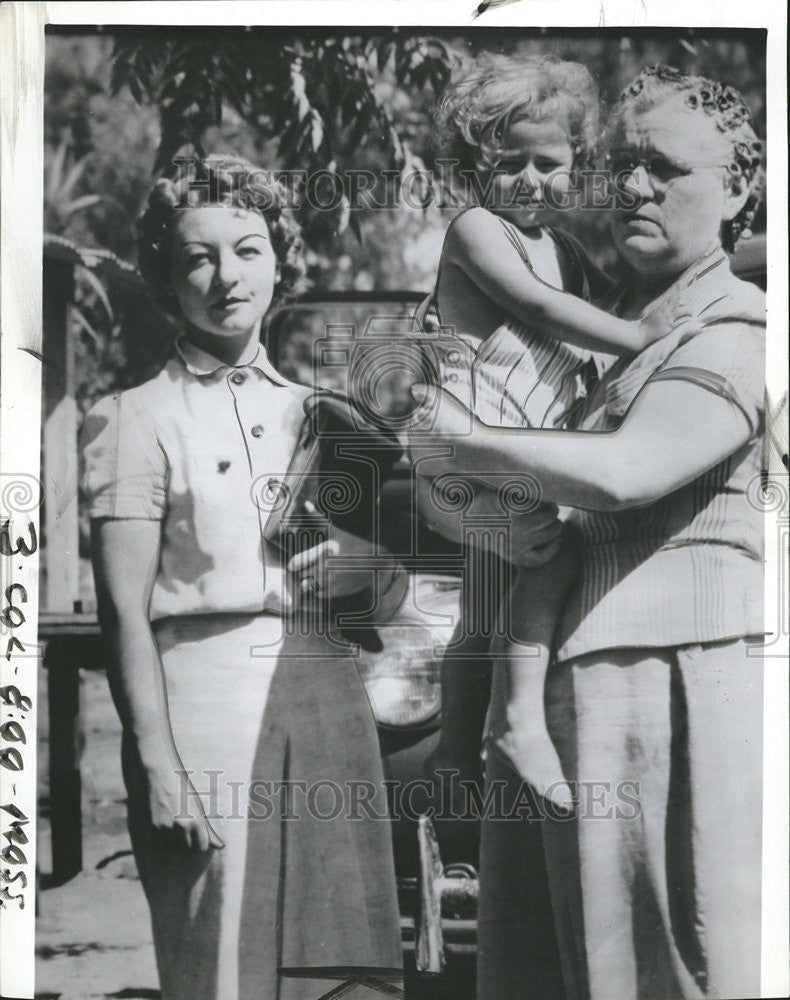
[[197, 448], [687, 568], [519, 377]]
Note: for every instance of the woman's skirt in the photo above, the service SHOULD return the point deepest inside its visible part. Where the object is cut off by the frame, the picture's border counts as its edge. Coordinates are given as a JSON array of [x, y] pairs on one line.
[[277, 735]]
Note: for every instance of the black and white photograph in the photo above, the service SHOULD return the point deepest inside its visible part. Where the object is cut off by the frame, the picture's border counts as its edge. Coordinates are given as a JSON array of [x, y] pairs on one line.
[[394, 502]]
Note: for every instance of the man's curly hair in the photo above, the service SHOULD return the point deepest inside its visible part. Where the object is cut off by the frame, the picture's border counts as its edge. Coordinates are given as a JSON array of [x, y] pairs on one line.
[[229, 181], [727, 109], [495, 91]]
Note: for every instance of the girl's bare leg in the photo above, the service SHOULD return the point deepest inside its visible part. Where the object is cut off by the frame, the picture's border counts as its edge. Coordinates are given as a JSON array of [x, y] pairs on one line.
[[519, 729], [466, 681]]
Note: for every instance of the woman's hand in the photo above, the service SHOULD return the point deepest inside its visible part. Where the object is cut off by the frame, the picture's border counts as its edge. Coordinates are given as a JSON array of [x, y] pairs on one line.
[[178, 821], [311, 567]]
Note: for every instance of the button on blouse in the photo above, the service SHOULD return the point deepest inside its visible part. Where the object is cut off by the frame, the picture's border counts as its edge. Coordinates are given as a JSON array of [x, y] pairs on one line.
[[190, 449]]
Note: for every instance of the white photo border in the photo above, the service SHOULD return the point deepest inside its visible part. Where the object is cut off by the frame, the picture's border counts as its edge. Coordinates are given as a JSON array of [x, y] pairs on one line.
[[21, 163]]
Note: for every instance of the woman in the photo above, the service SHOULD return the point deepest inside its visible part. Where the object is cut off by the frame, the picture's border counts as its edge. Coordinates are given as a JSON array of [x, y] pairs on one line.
[[654, 701], [242, 719], [518, 291]]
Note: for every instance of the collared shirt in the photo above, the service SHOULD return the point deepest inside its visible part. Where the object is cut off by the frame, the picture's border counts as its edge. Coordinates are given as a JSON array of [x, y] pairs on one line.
[[197, 448], [687, 568]]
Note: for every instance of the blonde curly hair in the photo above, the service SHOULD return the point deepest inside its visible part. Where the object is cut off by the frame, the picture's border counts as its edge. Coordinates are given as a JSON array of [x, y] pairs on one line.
[[225, 180], [485, 98]]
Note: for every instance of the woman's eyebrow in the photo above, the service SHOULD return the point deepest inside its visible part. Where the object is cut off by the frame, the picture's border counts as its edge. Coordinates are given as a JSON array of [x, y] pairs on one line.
[[250, 236]]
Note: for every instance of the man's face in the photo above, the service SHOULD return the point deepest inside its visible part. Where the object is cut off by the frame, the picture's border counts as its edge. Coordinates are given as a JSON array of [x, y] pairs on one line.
[[678, 195]]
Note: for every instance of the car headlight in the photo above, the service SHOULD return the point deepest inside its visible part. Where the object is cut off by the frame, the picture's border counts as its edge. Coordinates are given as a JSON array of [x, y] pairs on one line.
[[403, 680]]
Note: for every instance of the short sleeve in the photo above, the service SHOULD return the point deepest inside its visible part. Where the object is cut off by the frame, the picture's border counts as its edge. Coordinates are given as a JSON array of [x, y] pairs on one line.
[[727, 359], [125, 467]]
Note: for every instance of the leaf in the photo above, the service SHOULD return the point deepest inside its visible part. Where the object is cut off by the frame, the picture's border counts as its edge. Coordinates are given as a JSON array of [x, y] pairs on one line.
[[344, 215], [56, 168], [79, 204], [384, 52], [288, 143], [79, 316], [299, 90], [398, 151], [354, 225], [86, 275], [122, 58], [316, 130], [359, 129], [74, 175], [135, 87], [233, 88]]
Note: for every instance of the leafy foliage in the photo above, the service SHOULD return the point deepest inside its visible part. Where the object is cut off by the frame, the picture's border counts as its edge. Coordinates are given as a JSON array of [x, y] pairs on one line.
[[316, 93], [120, 105]]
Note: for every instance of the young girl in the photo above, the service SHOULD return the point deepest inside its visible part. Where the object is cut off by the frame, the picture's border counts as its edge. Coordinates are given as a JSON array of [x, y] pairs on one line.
[[517, 294]]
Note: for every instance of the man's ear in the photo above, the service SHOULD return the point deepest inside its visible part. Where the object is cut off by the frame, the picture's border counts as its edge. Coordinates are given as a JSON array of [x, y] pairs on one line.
[[735, 196]]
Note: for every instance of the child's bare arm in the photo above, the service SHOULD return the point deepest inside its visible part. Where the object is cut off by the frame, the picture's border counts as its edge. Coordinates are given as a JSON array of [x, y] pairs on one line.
[[478, 244]]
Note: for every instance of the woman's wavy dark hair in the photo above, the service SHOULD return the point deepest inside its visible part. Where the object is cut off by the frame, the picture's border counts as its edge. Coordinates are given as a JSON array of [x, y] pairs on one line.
[[229, 181], [729, 112], [490, 94]]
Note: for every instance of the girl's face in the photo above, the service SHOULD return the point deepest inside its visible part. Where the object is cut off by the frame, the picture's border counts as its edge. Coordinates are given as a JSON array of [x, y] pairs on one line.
[[223, 270], [532, 173]]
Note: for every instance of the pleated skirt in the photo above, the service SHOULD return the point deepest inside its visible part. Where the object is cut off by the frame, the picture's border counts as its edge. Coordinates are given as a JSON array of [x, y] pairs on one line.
[[277, 734]]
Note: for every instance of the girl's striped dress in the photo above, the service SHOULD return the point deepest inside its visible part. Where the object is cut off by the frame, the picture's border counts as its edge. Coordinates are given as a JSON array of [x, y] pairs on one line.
[[518, 377]]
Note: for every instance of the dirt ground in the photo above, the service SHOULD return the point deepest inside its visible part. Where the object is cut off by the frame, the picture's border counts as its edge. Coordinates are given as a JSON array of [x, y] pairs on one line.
[[93, 938]]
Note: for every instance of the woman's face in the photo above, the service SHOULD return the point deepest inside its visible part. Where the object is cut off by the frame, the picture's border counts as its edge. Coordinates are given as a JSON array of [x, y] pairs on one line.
[[532, 173], [223, 269], [677, 187]]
